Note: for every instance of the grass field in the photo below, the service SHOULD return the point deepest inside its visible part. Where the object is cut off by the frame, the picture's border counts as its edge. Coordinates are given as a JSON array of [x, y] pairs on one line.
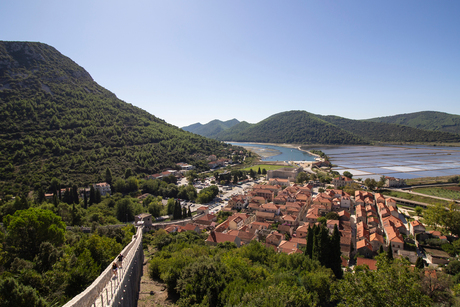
[[428, 180], [418, 198], [444, 192], [267, 167]]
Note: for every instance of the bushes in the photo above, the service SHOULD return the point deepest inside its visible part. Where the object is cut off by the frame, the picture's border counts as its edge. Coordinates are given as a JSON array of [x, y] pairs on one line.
[[224, 275]]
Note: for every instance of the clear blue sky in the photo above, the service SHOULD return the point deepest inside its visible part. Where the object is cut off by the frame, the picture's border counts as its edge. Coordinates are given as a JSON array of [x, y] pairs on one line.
[[195, 61]]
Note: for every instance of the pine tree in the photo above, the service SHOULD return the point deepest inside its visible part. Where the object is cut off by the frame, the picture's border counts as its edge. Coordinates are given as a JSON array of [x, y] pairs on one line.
[[128, 173]]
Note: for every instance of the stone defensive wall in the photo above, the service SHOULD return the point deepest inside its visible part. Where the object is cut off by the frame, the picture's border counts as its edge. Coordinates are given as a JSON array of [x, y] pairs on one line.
[[119, 290]]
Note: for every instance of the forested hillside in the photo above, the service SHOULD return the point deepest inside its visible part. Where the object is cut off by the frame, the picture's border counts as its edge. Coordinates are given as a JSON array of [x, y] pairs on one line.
[[298, 127], [212, 128], [428, 120], [301, 127], [55, 121], [383, 132]]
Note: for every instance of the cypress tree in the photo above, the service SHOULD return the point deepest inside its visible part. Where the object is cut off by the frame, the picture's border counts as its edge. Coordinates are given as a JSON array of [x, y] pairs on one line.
[[177, 211], [67, 196], [85, 200], [97, 198], [55, 200], [108, 176], [92, 195], [381, 249], [324, 247], [75, 194], [184, 212], [40, 195], [189, 212], [309, 247], [419, 263], [390, 253], [336, 261], [259, 172]]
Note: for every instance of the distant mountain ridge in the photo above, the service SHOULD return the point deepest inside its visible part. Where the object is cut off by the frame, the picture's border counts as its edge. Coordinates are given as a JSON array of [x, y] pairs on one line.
[[427, 120], [56, 121], [212, 128], [307, 128], [291, 127]]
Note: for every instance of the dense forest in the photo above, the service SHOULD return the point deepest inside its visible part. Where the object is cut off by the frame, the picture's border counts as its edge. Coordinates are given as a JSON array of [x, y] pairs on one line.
[[298, 127], [212, 128], [55, 121], [427, 120]]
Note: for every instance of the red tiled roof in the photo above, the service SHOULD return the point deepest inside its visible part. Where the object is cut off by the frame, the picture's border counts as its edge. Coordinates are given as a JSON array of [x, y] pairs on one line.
[[371, 263]]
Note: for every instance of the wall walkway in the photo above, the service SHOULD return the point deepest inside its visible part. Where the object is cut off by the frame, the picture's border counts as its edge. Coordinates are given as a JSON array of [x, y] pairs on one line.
[[120, 290]]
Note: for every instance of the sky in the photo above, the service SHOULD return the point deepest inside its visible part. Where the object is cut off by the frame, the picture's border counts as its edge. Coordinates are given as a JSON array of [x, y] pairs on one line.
[[196, 61]]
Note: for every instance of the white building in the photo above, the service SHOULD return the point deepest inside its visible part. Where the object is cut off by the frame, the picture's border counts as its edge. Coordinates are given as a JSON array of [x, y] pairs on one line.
[[103, 188]]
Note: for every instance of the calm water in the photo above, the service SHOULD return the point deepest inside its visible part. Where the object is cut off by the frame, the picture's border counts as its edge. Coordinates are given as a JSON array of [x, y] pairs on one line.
[[277, 153], [374, 161]]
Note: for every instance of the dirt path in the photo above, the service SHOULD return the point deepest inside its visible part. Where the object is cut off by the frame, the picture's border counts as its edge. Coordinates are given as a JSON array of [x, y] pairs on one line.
[[152, 292]]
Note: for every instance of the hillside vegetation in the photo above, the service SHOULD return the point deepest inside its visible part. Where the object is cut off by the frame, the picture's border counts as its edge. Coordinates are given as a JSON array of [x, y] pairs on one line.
[[297, 127], [301, 127], [55, 121], [212, 128], [428, 120], [383, 132]]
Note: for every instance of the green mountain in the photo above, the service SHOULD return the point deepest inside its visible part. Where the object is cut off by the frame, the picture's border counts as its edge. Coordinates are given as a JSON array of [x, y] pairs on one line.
[[212, 128], [55, 121], [298, 127], [383, 132], [301, 127], [427, 120]]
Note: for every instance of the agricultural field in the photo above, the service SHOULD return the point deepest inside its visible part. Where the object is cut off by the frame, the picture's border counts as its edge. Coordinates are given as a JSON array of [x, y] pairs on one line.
[[413, 197], [452, 192], [428, 180]]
